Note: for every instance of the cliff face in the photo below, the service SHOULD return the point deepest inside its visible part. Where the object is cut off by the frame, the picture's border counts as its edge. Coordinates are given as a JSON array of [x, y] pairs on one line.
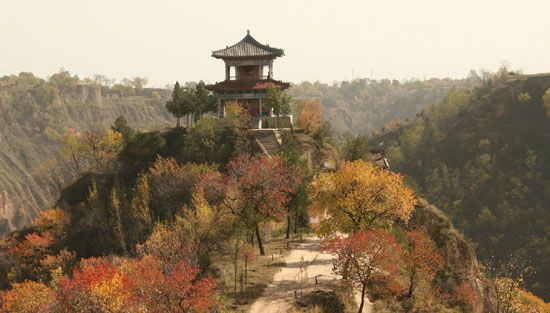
[[460, 257], [31, 129]]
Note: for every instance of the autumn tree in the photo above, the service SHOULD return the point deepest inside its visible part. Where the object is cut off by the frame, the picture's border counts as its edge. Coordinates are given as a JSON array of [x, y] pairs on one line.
[[260, 187], [309, 115], [421, 260], [369, 260], [168, 243], [507, 278], [237, 124], [172, 184], [360, 196], [529, 303], [278, 100], [137, 285], [71, 155], [204, 225], [28, 297], [132, 217], [54, 221], [63, 81], [101, 147]]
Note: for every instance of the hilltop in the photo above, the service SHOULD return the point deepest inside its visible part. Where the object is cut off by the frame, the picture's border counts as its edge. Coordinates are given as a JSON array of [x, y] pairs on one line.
[[148, 209]]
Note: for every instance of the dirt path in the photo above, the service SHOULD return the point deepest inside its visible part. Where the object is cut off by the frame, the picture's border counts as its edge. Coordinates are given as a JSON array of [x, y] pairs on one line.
[[279, 295]]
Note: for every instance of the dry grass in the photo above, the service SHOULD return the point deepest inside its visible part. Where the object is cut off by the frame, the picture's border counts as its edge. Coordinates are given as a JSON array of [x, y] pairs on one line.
[[260, 272]]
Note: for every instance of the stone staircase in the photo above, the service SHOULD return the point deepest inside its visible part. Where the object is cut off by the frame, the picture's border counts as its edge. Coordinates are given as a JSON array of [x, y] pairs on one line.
[[267, 140]]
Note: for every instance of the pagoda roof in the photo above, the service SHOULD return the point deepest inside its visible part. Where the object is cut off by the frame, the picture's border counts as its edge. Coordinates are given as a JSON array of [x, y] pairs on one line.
[[248, 47], [241, 85]]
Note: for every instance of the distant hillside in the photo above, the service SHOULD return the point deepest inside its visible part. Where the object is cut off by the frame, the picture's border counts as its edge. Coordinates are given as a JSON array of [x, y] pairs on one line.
[[483, 157], [35, 114], [363, 105]]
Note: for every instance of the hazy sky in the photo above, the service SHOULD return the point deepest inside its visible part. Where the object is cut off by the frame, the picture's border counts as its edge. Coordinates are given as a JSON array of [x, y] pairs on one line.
[[169, 40]]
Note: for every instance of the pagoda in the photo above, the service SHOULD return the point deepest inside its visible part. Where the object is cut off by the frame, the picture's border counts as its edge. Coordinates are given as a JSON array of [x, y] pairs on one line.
[[248, 71]]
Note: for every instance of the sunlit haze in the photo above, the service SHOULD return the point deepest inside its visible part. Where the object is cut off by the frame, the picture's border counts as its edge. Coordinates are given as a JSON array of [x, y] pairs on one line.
[[170, 40]]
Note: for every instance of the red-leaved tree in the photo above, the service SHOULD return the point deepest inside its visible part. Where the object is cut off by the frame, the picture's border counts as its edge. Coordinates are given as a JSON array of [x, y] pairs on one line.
[[257, 189], [138, 285], [421, 260], [369, 260]]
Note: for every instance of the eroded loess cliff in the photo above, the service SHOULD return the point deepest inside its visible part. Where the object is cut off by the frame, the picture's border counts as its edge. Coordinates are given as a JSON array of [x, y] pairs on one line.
[[34, 116]]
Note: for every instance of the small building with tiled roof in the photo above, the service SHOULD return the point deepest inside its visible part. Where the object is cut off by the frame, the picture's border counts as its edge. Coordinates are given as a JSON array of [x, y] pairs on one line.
[[248, 71]]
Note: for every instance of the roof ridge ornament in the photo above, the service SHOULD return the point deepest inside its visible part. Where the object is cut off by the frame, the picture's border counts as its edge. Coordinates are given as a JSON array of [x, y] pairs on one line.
[[248, 31]]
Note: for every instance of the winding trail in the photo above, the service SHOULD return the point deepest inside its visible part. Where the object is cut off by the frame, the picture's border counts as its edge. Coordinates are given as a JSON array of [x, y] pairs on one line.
[[278, 297]]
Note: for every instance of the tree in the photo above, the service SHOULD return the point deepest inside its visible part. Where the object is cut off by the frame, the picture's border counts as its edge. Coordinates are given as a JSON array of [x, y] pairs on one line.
[[524, 97], [102, 80], [278, 100], [71, 154], [27, 256], [205, 102], [203, 225], [247, 255], [355, 147], [180, 103], [53, 221], [259, 187], [369, 260], [421, 260], [121, 126], [360, 196], [546, 102], [63, 81], [28, 297], [309, 115], [236, 125], [203, 141], [172, 185], [175, 288], [102, 147], [507, 277], [292, 154], [135, 82]]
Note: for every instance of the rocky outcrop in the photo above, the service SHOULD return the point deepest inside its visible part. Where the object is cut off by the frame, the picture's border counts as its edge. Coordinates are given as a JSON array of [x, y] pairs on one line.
[[459, 254]]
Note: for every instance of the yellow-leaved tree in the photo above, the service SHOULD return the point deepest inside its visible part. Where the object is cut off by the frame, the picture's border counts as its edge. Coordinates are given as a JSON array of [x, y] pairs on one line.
[[360, 196], [203, 224], [309, 115]]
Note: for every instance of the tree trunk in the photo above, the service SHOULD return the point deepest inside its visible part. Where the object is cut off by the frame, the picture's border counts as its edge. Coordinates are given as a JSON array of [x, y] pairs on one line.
[[278, 124], [362, 298], [236, 260], [296, 222], [288, 227], [245, 271], [178, 121], [411, 289], [260, 245]]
